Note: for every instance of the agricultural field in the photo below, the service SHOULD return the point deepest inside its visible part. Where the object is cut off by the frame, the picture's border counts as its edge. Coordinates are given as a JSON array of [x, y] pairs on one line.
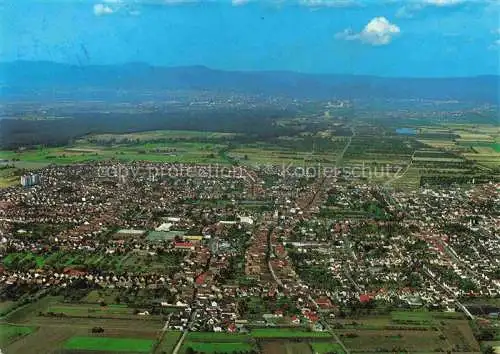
[[9, 175], [107, 296], [390, 341], [408, 179], [479, 143], [414, 331], [79, 152], [456, 150], [5, 306], [326, 347], [153, 135], [131, 261], [44, 340], [459, 336], [287, 333], [277, 157], [168, 342], [42, 333], [217, 347], [217, 337], [10, 333], [412, 317], [89, 310], [217, 342], [280, 347], [109, 344], [186, 147]]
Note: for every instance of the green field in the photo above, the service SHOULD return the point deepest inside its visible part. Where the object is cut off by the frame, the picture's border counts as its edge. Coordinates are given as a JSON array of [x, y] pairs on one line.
[[216, 337], [388, 341], [109, 344], [154, 135], [169, 341], [90, 310], [326, 347], [5, 306], [128, 262], [177, 151], [413, 331], [211, 342], [477, 145], [9, 176], [37, 260], [217, 347], [287, 333], [414, 317], [10, 333]]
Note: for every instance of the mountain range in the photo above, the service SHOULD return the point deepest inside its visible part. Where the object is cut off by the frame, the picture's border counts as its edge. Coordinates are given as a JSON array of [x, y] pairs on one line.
[[20, 79]]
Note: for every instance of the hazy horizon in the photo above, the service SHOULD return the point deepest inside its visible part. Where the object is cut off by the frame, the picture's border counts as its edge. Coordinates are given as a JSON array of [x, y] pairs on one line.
[[130, 63]]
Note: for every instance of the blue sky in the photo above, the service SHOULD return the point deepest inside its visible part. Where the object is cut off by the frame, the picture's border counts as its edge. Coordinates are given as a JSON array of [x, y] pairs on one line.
[[376, 37]]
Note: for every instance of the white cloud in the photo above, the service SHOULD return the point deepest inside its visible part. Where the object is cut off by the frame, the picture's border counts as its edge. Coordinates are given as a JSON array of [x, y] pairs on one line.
[[108, 7], [178, 2], [443, 2], [239, 2], [328, 3], [101, 9], [405, 12], [495, 45], [410, 8], [379, 31]]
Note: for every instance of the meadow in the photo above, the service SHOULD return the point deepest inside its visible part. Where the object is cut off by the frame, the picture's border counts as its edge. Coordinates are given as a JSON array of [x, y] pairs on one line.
[[434, 150], [131, 261], [74, 332], [287, 333], [478, 143], [168, 342], [217, 337], [217, 347], [217, 342], [92, 310], [391, 341], [414, 331], [10, 333], [419, 317], [109, 344], [284, 347]]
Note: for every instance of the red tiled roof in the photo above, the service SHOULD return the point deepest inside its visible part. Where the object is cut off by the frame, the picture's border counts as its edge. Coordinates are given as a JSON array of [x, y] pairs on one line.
[[183, 244], [200, 279], [365, 298], [312, 317], [324, 302]]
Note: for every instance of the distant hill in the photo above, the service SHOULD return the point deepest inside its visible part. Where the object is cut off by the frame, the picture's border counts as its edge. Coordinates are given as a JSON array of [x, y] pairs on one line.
[[23, 78]]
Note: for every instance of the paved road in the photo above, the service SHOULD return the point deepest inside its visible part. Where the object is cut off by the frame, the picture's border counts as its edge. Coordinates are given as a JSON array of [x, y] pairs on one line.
[[404, 171], [341, 156], [184, 335], [279, 282], [329, 328], [451, 293]]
